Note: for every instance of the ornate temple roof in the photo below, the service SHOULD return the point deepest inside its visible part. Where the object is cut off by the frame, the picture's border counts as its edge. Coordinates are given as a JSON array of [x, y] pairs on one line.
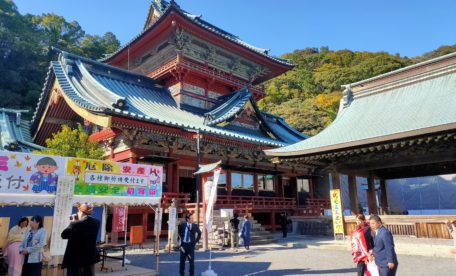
[[162, 8], [233, 104], [414, 101], [15, 131], [104, 89]]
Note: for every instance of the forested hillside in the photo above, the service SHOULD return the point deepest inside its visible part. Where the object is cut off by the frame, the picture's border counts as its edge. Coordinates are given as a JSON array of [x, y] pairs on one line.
[[307, 96], [25, 41]]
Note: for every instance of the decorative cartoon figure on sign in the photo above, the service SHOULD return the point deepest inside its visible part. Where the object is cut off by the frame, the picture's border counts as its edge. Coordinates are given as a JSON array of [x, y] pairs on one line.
[[45, 179], [77, 170], [154, 177]]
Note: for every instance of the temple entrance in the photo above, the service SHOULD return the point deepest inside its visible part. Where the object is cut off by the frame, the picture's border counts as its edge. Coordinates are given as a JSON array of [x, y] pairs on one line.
[[188, 185], [303, 190], [287, 190]]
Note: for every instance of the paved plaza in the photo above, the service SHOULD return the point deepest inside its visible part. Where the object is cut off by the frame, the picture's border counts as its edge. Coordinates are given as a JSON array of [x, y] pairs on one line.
[[281, 259]]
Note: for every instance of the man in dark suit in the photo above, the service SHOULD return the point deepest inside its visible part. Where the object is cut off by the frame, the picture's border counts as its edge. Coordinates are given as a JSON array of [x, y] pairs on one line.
[[189, 235], [81, 253], [384, 253]]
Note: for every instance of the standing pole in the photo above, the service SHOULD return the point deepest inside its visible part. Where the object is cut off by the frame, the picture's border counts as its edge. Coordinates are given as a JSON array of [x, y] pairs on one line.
[[198, 178], [126, 221]]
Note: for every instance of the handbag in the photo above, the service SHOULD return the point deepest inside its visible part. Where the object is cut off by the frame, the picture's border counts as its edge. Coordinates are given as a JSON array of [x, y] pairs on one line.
[[241, 241], [46, 256], [372, 269]]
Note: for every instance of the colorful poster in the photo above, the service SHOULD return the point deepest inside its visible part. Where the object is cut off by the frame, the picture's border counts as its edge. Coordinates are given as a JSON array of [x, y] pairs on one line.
[[107, 178], [336, 207], [119, 223], [27, 174]]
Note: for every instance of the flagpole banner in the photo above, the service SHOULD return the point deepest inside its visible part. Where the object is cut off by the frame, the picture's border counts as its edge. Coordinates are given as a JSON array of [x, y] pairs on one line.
[[212, 198], [108, 182], [336, 207], [120, 219], [62, 211], [29, 178]]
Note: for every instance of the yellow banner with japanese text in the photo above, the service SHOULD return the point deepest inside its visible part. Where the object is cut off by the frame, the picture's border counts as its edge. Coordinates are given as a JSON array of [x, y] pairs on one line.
[[336, 207]]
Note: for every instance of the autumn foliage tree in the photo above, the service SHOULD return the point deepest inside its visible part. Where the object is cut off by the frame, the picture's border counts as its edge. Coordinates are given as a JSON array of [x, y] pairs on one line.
[[73, 143]]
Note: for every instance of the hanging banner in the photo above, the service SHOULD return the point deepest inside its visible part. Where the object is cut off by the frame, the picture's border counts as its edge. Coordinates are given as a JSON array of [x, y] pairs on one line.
[[336, 207], [212, 198], [99, 181], [119, 219], [62, 211], [29, 178]]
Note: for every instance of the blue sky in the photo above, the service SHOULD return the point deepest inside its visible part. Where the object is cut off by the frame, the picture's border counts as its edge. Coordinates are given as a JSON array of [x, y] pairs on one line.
[[407, 27]]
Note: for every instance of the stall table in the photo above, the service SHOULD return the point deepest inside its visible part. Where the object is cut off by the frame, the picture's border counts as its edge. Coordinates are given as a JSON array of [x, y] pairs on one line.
[[105, 248]]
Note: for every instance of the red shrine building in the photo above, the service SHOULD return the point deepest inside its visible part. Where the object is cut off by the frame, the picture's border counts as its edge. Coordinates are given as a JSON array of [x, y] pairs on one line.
[[182, 92]]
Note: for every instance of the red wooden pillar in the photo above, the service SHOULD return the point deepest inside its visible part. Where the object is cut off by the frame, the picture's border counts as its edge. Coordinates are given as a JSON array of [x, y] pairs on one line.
[[311, 188], [335, 177], [276, 184], [353, 194], [255, 184], [144, 223], [273, 222], [383, 197], [169, 177], [228, 183], [371, 200], [176, 178], [133, 158]]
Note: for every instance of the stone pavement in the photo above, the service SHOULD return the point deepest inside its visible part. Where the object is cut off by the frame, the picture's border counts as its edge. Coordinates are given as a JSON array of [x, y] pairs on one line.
[[301, 255], [404, 245]]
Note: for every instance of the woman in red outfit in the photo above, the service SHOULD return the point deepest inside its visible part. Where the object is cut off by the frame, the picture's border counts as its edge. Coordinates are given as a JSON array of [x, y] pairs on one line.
[[362, 243]]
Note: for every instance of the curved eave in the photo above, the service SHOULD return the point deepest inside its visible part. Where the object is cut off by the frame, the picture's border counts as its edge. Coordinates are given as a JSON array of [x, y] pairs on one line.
[[228, 109], [282, 152], [197, 22], [212, 131]]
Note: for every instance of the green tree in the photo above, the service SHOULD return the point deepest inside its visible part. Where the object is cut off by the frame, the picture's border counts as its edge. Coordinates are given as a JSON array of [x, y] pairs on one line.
[[56, 31], [74, 143], [25, 41], [308, 96], [95, 47]]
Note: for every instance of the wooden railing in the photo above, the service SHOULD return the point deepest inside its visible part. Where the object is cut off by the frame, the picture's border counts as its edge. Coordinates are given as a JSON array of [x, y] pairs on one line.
[[314, 207], [255, 202], [417, 226], [181, 199], [319, 202]]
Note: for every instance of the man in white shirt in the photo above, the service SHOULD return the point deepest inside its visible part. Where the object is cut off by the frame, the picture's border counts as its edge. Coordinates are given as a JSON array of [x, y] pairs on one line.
[[189, 235]]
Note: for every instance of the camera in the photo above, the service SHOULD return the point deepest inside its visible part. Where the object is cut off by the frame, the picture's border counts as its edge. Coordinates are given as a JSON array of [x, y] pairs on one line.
[[74, 217]]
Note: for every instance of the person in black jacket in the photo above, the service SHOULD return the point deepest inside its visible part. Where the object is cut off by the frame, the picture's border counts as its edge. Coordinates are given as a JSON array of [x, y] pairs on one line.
[[189, 235], [81, 253], [284, 221]]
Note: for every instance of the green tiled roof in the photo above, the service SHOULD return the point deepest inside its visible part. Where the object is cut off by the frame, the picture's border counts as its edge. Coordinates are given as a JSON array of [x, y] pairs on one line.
[[15, 131], [98, 88], [417, 105]]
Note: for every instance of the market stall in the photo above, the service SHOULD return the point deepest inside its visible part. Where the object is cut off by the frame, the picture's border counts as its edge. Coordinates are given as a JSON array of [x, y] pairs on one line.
[[62, 183]]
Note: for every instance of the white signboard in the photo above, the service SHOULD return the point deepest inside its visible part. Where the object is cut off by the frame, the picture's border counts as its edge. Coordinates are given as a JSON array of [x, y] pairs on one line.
[[62, 211], [226, 213], [172, 219]]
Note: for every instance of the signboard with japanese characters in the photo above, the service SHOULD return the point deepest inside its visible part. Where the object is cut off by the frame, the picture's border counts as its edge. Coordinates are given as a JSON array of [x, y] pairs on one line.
[[336, 207], [107, 178], [25, 174], [62, 211]]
